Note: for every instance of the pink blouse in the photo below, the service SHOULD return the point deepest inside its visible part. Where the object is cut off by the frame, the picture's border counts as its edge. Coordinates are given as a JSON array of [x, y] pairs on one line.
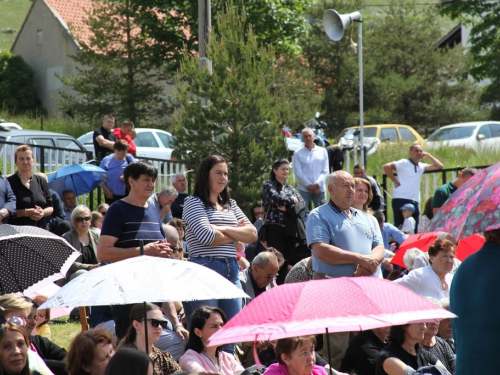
[[199, 362]]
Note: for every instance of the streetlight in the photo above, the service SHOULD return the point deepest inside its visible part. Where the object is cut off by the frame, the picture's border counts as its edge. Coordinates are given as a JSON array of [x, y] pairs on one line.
[[334, 25]]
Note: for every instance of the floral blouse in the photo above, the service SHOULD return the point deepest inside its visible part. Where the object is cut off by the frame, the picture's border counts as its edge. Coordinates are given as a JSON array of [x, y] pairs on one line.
[[273, 195]]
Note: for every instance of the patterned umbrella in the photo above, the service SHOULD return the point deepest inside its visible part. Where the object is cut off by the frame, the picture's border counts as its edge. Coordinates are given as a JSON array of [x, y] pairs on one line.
[[31, 258], [339, 305], [144, 278], [473, 208]]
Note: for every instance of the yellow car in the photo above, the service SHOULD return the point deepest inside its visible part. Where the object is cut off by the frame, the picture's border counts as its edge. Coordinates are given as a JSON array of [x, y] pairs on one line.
[[373, 135]]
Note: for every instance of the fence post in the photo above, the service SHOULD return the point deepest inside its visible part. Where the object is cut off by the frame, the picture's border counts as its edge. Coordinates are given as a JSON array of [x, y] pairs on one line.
[[384, 193], [42, 159]]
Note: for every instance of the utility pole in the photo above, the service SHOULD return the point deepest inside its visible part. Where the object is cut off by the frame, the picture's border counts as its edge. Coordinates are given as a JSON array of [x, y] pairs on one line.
[[204, 26]]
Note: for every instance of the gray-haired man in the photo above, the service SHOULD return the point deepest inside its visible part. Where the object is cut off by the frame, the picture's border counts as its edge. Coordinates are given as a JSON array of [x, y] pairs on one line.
[[179, 183], [163, 202]]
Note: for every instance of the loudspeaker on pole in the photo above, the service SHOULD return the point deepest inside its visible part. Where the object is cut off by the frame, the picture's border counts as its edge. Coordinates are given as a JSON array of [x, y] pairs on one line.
[[335, 23]]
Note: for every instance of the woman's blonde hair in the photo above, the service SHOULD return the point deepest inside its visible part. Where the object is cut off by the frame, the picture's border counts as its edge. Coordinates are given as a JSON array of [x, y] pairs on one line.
[[13, 302], [77, 211]]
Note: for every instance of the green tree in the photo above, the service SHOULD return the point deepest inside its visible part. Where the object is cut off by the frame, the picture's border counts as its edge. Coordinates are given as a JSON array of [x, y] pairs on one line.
[[241, 118], [277, 22], [335, 66], [412, 78], [124, 67], [17, 85], [406, 79], [484, 18], [294, 82]]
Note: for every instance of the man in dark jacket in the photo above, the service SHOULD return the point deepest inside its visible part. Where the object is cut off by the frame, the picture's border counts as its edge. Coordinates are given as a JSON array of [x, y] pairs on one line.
[[7, 199]]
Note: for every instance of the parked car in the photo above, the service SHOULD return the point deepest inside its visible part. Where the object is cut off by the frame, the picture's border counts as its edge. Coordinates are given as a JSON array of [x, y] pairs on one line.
[[58, 149], [375, 136], [6, 125], [478, 135], [150, 143]]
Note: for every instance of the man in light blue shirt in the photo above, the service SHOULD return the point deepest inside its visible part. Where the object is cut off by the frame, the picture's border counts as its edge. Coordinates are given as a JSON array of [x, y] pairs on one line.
[[388, 230], [344, 242], [310, 165]]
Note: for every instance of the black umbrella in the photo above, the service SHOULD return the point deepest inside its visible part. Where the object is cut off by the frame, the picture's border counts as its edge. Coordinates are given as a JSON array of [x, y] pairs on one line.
[[32, 257]]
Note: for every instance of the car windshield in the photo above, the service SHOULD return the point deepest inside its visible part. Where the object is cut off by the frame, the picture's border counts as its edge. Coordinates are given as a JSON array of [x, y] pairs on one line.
[[448, 134], [86, 138], [368, 132]]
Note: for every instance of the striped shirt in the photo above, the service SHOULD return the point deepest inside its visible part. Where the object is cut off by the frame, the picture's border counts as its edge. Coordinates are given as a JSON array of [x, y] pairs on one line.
[[199, 234], [131, 223]]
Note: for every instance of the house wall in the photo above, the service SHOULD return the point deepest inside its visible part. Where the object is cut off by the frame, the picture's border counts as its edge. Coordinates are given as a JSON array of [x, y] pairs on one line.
[[46, 46]]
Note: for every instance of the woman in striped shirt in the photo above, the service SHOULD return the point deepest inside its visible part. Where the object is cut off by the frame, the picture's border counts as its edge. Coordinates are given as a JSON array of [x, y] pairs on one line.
[[213, 224]]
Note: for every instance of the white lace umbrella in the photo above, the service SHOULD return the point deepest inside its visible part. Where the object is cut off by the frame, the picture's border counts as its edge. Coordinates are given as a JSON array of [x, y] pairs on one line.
[[144, 278]]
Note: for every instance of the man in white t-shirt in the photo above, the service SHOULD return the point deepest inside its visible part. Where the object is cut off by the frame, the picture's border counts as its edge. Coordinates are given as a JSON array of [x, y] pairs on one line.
[[407, 185], [310, 165]]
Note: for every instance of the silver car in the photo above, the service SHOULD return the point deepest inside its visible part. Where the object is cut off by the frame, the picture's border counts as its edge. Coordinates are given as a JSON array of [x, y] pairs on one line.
[[478, 136], [150, 143]]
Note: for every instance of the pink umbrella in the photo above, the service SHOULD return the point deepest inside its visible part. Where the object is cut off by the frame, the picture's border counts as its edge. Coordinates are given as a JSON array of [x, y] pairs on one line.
[[339, 305], [473, 208]]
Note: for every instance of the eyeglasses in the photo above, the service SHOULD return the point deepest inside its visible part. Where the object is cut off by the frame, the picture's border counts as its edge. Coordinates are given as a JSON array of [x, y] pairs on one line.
[[176, 249], [15, 321], [155, 323], [82, 219], [269, 277]]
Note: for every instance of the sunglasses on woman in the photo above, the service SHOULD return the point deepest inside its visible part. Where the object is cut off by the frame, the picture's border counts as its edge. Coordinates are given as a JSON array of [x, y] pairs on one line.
[[155, 323], [82, 219], [13, 320], [176, 249]]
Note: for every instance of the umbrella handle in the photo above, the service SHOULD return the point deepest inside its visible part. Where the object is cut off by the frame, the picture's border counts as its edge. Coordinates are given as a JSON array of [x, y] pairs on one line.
[[145, 321], [328, 349], [83, 318]]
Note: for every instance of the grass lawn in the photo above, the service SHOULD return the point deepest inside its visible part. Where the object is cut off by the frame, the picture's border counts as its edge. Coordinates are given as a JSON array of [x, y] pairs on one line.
[[63, 331], [13, 13]]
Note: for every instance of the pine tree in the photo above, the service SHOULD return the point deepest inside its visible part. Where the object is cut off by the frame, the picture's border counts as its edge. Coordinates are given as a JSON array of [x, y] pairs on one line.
[[120, 70], [233, 111]]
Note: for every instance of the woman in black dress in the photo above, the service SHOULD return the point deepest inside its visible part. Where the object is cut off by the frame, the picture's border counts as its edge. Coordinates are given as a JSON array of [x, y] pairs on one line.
[[33, 200]]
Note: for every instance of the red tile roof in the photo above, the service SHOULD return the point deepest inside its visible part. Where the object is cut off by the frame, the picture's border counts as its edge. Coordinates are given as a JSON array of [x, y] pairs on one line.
[[73, 13]]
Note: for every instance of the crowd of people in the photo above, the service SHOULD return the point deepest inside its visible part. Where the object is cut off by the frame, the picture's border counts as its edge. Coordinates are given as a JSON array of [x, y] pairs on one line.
[[286, 241]]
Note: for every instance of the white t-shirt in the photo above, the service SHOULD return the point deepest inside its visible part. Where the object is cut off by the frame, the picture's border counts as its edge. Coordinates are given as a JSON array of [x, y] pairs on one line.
[[409, 176], [409, 224]]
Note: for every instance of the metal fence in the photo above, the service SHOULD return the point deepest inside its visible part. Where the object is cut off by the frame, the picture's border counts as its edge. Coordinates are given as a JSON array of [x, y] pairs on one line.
[[50, 159], [430, 182]]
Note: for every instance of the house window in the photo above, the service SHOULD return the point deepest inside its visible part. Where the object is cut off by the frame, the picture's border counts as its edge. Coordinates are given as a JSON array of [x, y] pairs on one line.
[[39, 37]]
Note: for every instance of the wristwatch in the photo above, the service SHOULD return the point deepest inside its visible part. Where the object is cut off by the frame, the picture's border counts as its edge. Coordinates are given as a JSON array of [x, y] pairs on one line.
[[177, 325], [3, 213]]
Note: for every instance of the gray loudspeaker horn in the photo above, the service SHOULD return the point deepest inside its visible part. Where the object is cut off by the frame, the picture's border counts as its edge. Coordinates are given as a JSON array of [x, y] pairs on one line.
[[335, 23]]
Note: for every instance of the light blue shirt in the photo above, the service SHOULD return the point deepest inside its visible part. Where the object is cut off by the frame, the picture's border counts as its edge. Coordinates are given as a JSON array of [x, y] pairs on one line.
[[114, 169], [330, 225], [388, 231]]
